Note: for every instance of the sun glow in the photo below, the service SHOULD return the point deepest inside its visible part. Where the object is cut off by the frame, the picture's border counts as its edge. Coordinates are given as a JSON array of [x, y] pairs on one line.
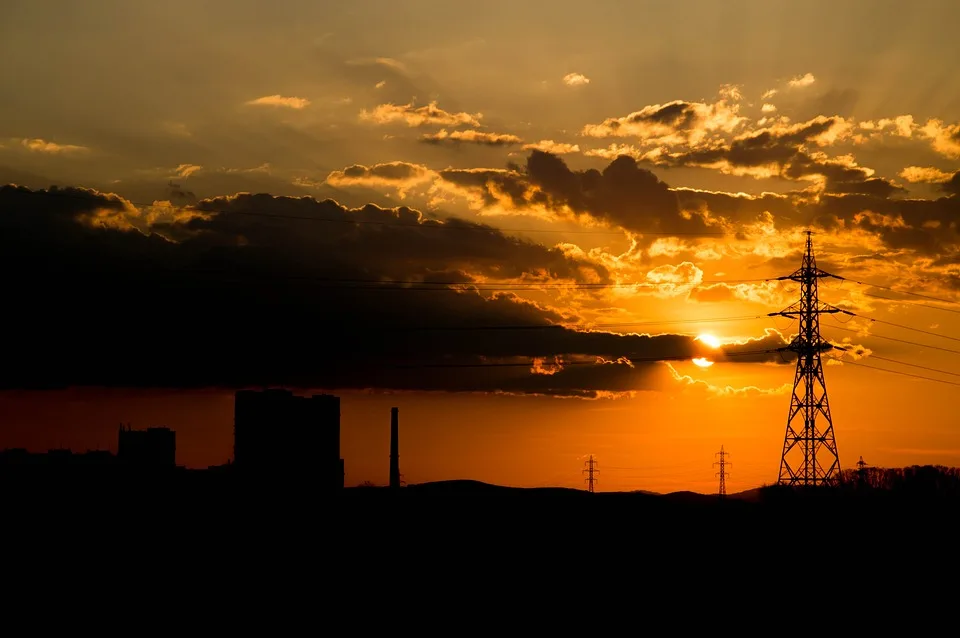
[[710, 340]]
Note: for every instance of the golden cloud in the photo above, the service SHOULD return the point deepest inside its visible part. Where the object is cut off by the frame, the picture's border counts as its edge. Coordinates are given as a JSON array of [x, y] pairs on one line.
[[925, 175], [38, 145], [280, 100], [419, 115], [576, 79], [549, 146]]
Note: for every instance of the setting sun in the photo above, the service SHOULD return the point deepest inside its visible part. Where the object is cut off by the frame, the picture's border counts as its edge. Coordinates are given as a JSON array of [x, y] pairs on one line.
[[710, 340], [703, 363]]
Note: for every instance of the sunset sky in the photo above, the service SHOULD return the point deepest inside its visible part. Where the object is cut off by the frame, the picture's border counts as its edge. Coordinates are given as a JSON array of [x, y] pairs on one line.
[[230, 174]]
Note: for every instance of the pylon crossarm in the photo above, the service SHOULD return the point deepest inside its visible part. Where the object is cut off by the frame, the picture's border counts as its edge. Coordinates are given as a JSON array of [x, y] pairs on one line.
[[800, 346], [805, 274], [800, 313]]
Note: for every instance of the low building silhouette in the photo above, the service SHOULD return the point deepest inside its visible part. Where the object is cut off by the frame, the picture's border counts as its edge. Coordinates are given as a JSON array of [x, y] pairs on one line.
[[279, 434], [153, 448], [56, 460]]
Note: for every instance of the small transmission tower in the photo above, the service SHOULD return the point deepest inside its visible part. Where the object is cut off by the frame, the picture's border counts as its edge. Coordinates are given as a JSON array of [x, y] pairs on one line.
[[723, 474], [809, 452], [591, 471]]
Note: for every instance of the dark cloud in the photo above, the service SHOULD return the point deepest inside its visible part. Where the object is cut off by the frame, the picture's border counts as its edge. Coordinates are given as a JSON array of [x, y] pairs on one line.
[[741, 207], [783, 151], [926, 226], [758, 350], [839, 177], [675, 115], [623, 194], [392, 171], [762, 148], [876, 186], [389, 244], [207, 182], [470, 137], [245, 297], [952, 186]]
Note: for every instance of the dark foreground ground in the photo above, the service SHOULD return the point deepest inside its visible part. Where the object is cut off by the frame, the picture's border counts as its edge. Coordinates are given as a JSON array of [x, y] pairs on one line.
[[462, 514], [444, 548]]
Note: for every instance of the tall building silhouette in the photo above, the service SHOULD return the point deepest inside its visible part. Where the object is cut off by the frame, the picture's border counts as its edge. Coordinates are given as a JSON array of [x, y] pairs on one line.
[[277, 433], [153, 448], [394, 448]]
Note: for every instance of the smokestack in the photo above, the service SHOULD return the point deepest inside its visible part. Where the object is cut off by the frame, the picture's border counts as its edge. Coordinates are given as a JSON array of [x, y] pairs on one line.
[[394, 448]]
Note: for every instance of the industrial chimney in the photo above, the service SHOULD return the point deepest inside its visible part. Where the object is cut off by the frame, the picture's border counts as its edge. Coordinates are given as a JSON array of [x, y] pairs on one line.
[[394, 448]]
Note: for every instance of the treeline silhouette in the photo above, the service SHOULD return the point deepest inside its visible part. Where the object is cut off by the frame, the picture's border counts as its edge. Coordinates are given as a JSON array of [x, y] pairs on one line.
[[930, 480]]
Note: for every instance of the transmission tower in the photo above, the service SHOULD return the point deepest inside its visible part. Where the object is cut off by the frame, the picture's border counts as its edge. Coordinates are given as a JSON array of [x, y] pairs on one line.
[[723, 474], [591, 471], [809, 453]]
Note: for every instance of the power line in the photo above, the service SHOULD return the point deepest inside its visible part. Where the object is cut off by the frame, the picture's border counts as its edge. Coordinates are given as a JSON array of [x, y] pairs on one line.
[[589, 326], [562, 364], [411, 284], [902, 292], [913, 303], [915, 365], [926, 332], [906, 374], [417, 284], [677, 466], [535, 284], [443, 224], [899, 325], [906, 341]]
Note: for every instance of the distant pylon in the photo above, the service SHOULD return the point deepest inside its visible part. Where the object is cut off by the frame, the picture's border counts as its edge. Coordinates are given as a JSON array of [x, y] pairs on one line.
[[723, 474], [591, 473], [804, 446]]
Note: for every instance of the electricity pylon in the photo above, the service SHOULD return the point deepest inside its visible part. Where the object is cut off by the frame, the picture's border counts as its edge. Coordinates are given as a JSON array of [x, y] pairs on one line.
[[723, 474], [591, 471], [810, 454]]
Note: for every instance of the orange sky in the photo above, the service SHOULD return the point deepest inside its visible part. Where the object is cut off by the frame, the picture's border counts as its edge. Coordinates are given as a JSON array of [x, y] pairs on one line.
[[651, 176], [656, 441]]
